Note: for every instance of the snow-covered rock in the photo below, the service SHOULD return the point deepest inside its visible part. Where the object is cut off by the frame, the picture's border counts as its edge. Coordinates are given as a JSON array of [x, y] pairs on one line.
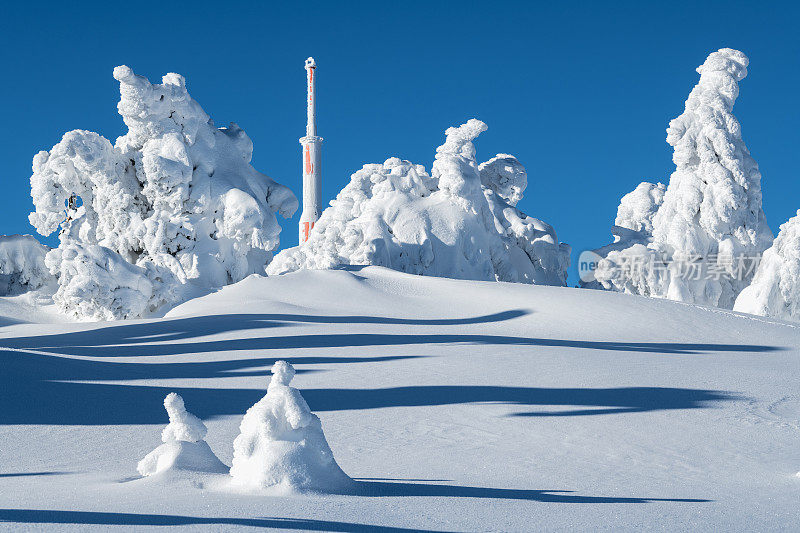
[[282, 445], [22, 266], [457, 222], [184, 447], [175, 192], [775, 290], [710, 219]]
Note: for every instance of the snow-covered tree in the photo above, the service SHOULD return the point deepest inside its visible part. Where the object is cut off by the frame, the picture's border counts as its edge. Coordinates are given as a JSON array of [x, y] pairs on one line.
[[710, 219], [22, 265], [459, 222], [175, 196], [183, 446], [282, 445], [775, 290]]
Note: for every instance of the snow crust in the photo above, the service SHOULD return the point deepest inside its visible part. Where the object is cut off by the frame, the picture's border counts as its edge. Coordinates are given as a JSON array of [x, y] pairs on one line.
[[22, 266], [184, 447], [282, 445], [775, 290], [176, 197], [459, 221], [711, 210]]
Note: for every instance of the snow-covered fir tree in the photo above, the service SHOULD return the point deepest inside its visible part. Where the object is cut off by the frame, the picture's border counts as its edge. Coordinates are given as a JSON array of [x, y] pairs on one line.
[[711, 218]]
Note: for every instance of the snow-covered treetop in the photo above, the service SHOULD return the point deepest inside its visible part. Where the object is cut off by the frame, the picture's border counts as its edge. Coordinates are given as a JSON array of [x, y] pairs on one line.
[[183, 425], [455, 167], [282, 374], [506, 176], [713, 202], [637, 208]]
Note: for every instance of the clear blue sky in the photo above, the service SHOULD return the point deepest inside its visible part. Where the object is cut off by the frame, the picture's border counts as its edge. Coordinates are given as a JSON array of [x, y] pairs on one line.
[[580, 92]]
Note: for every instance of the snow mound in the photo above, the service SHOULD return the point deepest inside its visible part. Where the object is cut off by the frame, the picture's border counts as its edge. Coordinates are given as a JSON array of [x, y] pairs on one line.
[[457, 222], [184, 447], [775, 290], [175, 193], [22, 266], [710, 222], [282, 445]]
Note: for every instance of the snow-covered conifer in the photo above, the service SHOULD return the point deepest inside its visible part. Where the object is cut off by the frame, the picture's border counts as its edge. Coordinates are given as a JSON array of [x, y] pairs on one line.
[[458, 222], [184, 447], [22, 266], [711, 213], [775, 290], [282, 445], [175, 192]]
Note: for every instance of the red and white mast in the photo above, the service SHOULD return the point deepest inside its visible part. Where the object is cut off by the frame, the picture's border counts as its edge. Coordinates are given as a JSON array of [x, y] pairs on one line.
[[312, 184]]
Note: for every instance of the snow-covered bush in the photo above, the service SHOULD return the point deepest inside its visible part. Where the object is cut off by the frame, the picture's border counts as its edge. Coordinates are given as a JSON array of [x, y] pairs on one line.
[[710, 219], [175, 193], [282, 445], [775, 290], [22, 265], [96, 283], [457, 222], [184, 447]]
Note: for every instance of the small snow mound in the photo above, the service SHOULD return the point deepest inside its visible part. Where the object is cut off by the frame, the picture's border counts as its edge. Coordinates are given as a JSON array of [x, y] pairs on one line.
[[184, 447], [281, 444]]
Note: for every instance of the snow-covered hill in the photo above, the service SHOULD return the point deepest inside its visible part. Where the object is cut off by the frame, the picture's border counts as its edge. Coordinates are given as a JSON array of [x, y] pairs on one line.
[[456, 405]]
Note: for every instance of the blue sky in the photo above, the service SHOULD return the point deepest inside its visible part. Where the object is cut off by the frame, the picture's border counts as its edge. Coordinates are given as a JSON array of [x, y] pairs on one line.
[[580, 92]]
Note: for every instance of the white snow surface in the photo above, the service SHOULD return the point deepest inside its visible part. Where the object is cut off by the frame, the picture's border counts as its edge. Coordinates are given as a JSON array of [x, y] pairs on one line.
[[22, 267], [458, 222], [184, 447], [455, 406], [775, 290], [711, 210], [282, 445], [175, 196]]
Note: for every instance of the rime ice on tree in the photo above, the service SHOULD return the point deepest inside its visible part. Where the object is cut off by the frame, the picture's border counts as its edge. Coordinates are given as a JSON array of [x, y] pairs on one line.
[[458, 222], [184, 447], [711, 211], [775, 290], [282, 445], [175, 197]]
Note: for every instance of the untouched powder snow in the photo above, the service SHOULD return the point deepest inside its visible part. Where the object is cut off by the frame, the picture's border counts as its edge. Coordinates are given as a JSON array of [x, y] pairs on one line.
[[176, 198], [184, 447], [775, 290], [458, 222], [710, 219], [454, 405], [281, 444]]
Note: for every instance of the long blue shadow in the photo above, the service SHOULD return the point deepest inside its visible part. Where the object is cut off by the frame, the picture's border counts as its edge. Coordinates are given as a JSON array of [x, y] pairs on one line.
[[26, 474], [37, 389], [394, 489], [47, 516], [184, 328]]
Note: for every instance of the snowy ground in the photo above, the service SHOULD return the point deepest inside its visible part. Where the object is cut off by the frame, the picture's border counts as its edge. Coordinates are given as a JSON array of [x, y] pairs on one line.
[[458, 405]]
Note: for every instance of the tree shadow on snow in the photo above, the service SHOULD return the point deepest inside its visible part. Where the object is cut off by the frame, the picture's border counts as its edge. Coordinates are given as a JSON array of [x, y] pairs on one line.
[[158, 338], [46, 516], [48, 389], [167, 330], [394, 489]]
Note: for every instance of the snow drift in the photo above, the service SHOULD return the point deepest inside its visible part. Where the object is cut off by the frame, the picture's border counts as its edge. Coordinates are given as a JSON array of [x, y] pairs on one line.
[[710, 225], [175, 195], [22, 266], [775, 290], [282, 445], [459, 221], [184, 447]]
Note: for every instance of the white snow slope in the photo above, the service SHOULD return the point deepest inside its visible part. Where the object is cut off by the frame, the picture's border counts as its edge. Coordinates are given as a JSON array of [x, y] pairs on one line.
[[455, 405]]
